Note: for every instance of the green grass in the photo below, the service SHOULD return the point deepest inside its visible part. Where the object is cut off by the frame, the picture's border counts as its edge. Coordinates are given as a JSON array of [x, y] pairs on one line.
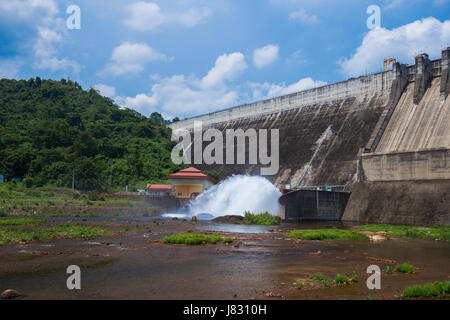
[[23, 233], [429, 232], [389, 269], [194, 238], [16, 222], [438, 288], [405, 267], [321, 280], [227, 240], [342, 278], [264, 218], [326, 234]]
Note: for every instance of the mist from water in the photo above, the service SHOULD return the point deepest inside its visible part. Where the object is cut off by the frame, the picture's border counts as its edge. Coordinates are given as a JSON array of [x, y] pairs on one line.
[[237, 194]]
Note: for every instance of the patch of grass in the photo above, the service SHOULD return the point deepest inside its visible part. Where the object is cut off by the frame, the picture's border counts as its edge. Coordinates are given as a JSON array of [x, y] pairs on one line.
[[22, 233], [389, 269], [264, 218], [405, 267], [227, 240], [429, 232], [17, 222], [193, 238], [320, 280], [299, 284], [342, 278], [326, 234], [438, 288]]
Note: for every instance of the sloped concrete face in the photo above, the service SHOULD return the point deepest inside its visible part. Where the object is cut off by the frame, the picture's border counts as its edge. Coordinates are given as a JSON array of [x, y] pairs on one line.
[[416, 143], [352, 108]]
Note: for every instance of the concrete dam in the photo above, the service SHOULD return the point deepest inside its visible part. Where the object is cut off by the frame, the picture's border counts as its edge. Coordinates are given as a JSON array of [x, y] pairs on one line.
[[385, 136]]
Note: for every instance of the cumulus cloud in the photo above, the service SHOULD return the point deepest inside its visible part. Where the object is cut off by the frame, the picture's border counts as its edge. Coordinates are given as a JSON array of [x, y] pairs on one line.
[[147, 16], [227, 67], [427, 35], [9, 68], [269, 90], [302, 16], [48, 31], [105, 90], [45, 51], [262, 57], [24, 9], [183, 95], [131, 58]]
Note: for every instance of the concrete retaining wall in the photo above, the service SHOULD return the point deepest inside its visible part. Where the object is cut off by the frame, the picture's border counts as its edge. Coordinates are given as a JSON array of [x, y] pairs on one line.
[[398, 166]]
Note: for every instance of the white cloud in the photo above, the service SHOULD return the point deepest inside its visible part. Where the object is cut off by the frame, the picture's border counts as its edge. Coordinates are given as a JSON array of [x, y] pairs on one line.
[[269, 90], [24, 9], [403, 43], [105, 90], [262, 57], [9, 68], [42, 17], [131, 58], [227, 67], [147, 16], [182, 95], [303, 16], [45, 51]]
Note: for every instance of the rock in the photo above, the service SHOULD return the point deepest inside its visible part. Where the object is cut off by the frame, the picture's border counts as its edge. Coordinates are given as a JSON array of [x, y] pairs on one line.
[[10, 294], [231, 219], [194, 219]]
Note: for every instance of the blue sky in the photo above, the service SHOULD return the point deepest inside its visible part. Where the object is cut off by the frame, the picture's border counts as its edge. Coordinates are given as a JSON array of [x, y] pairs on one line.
[[187, 57]]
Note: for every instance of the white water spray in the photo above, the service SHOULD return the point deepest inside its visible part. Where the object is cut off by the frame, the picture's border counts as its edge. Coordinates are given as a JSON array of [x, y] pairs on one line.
[[236, 195]]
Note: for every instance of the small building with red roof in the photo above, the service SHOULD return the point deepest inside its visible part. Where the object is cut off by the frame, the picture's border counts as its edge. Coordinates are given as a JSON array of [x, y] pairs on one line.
[[189, 183], [159, 189]]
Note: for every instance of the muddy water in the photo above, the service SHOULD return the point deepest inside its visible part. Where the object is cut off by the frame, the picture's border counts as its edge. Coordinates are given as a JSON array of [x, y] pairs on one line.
[[264, 265]]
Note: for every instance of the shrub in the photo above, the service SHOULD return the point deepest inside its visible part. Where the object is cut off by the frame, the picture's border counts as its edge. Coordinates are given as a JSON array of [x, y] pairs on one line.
[[389, 269], [264, 218], [326, 234], [341, 278], [405, 267], [192, 238], [437, 288]]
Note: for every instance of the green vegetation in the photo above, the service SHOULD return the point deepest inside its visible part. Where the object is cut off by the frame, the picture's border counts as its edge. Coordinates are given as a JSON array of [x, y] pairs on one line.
[[405, 267], [18, 201], [227, 240], [193, 238], [53, 130], [429, 232], [263, 218], [320, 280], [438, 288], [342, 278], [389, 269], [25, 232], [299, 284], [325, 234], [16, 222]]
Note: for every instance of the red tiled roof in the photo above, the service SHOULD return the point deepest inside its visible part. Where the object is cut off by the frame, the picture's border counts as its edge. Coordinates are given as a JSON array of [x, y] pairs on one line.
[[191, 173], [159, 187]]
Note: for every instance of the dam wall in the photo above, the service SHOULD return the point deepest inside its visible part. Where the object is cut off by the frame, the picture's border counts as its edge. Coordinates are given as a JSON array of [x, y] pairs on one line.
[[352, 109], [386, 136]]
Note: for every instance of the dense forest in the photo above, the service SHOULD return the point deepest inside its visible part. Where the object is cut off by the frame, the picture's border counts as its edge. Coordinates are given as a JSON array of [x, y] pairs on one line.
[[52, 131]]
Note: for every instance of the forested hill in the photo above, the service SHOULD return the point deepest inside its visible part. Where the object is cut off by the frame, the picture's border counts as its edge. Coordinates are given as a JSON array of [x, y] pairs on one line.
[[51, 129]]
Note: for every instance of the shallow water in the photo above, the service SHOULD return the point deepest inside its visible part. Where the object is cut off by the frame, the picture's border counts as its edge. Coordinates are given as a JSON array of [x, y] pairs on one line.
[[131, 267]]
